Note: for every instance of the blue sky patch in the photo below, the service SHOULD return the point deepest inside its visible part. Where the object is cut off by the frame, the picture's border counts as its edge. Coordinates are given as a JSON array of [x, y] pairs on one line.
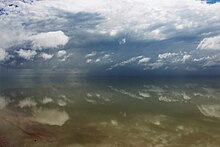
[[212, 1]]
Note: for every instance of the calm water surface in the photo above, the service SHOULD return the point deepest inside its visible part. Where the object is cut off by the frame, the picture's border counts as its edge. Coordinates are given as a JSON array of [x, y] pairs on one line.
[[53, 112]]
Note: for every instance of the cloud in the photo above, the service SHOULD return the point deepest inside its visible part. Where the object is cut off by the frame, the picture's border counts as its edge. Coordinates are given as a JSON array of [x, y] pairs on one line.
[[154, 65], [89, 60], [11, 35], [3, 55], [169, 61], [123, 63], [210, 61], [46, 56], [129, 61], [122, 41], [61, 102], [186, 57], [11, 23], [26, 54], [211, 43], [3, 102], [98, 57], [207, 60], [113, 33], [91, 54], [148, 20], [47, 100], [50, 116], [201, 59], [61, 53], [49, 39], [103, 59], [144, 94], [106, 56], [174, 58], [169, 27], [27, 102], [166, 55], [144, 60], [210, 110], [126, 93]]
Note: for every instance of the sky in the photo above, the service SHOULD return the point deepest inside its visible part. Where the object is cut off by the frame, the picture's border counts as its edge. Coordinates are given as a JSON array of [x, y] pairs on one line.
[[212, 1], [111, 37]]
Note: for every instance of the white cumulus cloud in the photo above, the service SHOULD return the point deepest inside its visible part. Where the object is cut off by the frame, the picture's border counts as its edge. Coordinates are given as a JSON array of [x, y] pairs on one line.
[[27, 102], [92, 54], [186, 57], [49, 39], [166, 55], [61, 53], [123, 63], [144, 60], [3, 55], [50, 116], [26, 54], [89, 61], [211, 43], [158, 19], [46, 56]]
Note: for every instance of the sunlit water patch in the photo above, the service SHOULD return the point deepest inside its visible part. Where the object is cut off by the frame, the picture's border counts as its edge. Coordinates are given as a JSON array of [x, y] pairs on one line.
[[110, 112]]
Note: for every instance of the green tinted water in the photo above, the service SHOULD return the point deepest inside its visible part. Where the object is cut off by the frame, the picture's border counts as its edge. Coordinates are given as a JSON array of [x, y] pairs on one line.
[[110, 112]]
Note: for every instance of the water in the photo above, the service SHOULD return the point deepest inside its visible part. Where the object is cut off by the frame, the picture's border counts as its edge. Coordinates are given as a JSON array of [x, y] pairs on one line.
[[154, 112]]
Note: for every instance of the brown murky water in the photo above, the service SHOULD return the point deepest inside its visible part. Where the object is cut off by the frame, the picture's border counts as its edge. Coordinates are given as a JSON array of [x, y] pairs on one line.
[[110, 113]]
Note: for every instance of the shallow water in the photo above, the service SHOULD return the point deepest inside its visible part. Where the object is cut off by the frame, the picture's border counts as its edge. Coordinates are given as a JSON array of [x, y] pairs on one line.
[[58, 112]]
